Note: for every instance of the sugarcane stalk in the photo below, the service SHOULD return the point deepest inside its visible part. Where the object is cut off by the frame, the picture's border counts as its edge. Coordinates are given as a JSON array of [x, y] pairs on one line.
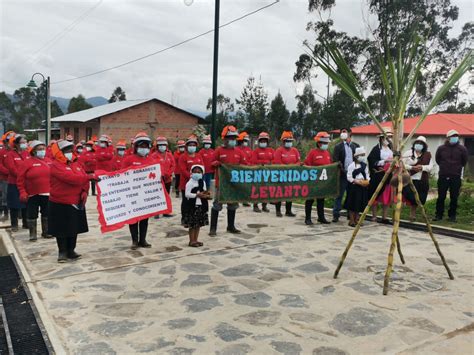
[[428, 225], [396, 224], [364, 214], [399, 248]]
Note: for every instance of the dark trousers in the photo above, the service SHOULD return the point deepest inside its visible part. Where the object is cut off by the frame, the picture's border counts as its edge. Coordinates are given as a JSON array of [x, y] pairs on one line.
[[343, 185], [93, 187], [35, 203], [139, 230], [453, 184], [319, 206], [288, 205], [168, 187], [15, 213], [177, 178], [207, 179]]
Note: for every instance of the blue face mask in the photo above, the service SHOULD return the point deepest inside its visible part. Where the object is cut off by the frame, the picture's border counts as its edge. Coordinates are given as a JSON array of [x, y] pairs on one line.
[[262, 144], [162, 148], [41, 154], [453, 140], [232, 143], [143, 151], [288, 144], [121, 152], [23, 146], [418, 147], [196, 176], [324, 146], [207, 146], [191, 149]]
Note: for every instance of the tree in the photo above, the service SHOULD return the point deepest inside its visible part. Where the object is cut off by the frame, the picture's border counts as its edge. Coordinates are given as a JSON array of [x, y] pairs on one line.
[[55, 109], [224, 108], [278, 117], [253, 104], [78, 103], [340, 111], [308, 109], [396, 23], [118, 95], [7, 111], [27, 111]]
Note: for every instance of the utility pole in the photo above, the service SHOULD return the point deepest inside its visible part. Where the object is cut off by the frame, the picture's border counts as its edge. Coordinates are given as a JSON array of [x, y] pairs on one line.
[[215, 72]]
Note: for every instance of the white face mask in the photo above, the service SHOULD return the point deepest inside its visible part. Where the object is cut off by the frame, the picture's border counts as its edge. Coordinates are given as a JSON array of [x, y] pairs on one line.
[[41, 154], [245, 144], [344, 136], [361, 159], [207, 146], [68, 156], [262, 144], [181, 149], [143, 151], [88, 149], [23, 146], [121, 152], [162, 148], [79, 150], [103, 145], [288, 144]]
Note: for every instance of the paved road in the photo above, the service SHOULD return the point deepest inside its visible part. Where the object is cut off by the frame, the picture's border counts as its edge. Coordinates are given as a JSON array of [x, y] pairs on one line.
[[267, 291]]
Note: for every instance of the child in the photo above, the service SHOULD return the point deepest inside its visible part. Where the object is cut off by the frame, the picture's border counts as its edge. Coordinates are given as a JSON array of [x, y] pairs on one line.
[[195, 205], [358, 178]]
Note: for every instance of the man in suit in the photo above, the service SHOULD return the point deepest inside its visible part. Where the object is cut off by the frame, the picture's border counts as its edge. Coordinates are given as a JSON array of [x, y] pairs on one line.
[[343, 154]]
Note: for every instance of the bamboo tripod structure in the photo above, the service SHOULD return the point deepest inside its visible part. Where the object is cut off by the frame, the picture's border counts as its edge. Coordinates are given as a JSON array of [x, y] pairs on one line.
[[395, 241]]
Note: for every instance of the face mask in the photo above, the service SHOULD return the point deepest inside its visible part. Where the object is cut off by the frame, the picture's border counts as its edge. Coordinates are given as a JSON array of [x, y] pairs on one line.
[[143, 151], [385, 142], [191, 149], [68, 156], [121, 152], [79, 150], [324, 146], [162, 148], [288, 144], [361, 159], [343, 136], [196, 176], [418, 147], [231, 143], [262, 144], [453, 140], [181, 149], [88, 149], [103, 145], [23, 146], [245, 144], [41, 154], [207, 146]]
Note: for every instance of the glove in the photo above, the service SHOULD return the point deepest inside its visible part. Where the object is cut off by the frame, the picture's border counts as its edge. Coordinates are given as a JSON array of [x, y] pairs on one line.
[[23, 197]]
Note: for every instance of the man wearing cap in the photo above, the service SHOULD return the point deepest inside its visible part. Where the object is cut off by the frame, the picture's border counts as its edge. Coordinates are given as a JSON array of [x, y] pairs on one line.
[[343, 154], [287, 155], [451, 158], [207, 155], [104, 154], [262, 155], [227, 154], [181, 148]]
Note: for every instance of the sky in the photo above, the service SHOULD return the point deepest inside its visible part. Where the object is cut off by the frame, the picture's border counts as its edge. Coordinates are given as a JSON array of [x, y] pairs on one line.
[[65, 39]]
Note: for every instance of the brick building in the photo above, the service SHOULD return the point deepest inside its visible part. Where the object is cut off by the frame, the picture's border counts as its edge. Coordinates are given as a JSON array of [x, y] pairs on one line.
[[124, 119]]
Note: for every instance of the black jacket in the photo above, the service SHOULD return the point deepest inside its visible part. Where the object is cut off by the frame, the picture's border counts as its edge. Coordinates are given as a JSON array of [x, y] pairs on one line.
[[339, 154], [451, 158]]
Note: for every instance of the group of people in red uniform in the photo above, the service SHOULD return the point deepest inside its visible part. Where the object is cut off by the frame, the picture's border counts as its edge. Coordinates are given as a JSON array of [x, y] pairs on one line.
[[53, 181]]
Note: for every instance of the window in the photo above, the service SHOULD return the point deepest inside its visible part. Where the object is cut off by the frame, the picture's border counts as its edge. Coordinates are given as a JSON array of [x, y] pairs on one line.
[[88, 133]]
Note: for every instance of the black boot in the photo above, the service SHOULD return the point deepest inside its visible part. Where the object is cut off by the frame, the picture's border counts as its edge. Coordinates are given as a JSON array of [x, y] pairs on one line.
[[71, 245], [134, 233], [320, 206], [33, 231], [288, 212], [143, 228], [278, 209], [308, 205], [265, 208], [214, 216], [24, 219], [44, 228], [62, 249], [231, 222], [14, 219]]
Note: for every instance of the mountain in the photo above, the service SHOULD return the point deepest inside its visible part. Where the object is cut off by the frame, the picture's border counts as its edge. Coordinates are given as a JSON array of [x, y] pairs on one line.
[[64, 103]]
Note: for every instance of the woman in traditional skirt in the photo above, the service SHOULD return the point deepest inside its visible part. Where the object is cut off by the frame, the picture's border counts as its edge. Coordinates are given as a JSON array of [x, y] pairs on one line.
[[357, 194], [68, 194], [13, 162], [419, 163], [380, 158], [195, 211]]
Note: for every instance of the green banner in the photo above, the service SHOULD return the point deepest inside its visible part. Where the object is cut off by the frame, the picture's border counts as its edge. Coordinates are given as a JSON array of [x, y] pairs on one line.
[[274, 183]]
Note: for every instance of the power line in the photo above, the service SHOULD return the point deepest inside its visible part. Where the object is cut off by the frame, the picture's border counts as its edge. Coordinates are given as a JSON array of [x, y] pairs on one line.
[[170, 47], [64, 31]]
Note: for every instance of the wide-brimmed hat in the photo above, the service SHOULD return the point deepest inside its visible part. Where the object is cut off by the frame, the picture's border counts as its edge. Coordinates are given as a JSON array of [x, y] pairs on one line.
[[360, 151], [451, 133], [63, 144], [35, 143], [421, 139], [197, 166]]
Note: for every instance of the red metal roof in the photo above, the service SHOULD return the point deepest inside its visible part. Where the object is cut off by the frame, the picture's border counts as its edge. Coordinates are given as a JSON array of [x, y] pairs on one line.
[[437, 124]]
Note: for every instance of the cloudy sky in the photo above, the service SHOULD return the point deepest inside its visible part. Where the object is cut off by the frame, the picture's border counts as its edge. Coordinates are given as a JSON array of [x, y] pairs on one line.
[[69, 38]]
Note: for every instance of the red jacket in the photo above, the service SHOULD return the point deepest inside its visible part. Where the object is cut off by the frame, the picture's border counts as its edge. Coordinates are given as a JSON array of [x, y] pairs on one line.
[[248, 153], [117, 162], [176, 156], [185, 163], [69, 183], [104, 158], [167, 163], [33, 177], [3, 168], [207, 156], [318, 157], [262, 156], [136, 160], [232, 156], [13, 162], [286, 156], [88, 161]]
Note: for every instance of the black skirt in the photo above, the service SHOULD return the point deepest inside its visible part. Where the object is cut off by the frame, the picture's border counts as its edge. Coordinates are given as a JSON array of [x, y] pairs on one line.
[[196, 217], [375, 179], [66, 221], [357, 198], [422, 187]]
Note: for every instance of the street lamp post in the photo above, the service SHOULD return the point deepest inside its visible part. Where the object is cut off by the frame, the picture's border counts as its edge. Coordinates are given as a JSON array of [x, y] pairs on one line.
[[47, 99], [215, 72]]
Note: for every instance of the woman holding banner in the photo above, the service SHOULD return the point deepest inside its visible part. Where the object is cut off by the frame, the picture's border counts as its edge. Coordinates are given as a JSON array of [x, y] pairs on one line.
[[318, 156], [140, 156], [287, 155], [69, 185]]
